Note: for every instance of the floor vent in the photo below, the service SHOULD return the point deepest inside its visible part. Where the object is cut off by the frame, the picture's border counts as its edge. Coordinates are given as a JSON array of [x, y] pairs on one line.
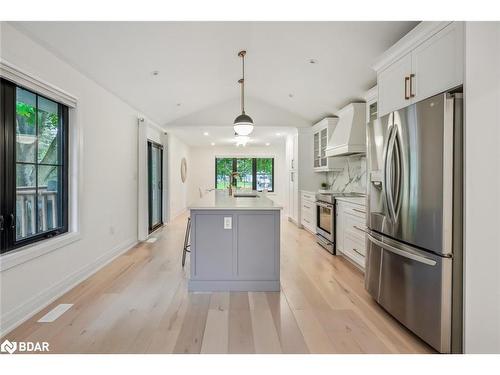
[[55, 313]]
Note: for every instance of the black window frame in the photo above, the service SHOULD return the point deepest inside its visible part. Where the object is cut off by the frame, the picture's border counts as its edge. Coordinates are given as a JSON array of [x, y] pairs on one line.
[[8, 240], [254, 170], [152, 227]]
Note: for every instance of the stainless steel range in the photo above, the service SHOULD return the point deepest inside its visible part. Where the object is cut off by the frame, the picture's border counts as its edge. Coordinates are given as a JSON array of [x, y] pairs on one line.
[[325, 218]]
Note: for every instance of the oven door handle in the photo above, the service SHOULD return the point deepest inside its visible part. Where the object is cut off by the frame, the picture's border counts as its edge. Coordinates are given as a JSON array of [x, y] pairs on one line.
[[321, 204]]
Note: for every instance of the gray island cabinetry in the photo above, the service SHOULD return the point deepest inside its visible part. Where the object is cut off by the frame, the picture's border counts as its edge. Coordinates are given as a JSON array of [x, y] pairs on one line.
[[235, 243]]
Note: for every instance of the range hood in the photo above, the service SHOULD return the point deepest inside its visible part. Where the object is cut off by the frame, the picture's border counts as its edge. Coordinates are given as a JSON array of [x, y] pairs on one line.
[[349, 136]]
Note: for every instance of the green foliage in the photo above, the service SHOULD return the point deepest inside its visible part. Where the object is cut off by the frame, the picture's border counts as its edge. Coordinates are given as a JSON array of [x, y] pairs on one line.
[[48, 128], [244, 166], [27, 112]]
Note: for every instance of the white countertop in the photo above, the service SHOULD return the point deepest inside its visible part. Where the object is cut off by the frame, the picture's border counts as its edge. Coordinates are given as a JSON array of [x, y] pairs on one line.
[[356, 200], [220, 200]]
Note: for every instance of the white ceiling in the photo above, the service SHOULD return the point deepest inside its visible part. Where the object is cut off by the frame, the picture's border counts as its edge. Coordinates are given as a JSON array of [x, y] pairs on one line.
[[199, 67], [222, 136]]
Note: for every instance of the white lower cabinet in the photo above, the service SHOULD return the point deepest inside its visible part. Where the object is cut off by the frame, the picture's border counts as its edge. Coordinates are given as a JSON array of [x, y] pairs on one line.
[[351, 221], [308, 211]]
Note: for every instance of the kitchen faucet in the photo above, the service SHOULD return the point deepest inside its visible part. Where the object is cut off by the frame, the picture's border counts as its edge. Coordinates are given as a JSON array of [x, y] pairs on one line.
[[231, 178]]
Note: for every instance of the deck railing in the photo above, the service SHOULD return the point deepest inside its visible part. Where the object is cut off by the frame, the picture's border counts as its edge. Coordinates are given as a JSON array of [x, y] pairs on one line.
[[26, 220]]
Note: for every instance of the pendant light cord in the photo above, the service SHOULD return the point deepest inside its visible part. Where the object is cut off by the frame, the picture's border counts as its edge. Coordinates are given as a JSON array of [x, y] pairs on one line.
[[242, 81]]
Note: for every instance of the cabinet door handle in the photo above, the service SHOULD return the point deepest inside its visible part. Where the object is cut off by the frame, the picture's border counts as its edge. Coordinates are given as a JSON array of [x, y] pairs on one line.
[[407, 79], [307, 221], [358, 210], [360, 253], [306, 206], [1, 222], [412, 95]]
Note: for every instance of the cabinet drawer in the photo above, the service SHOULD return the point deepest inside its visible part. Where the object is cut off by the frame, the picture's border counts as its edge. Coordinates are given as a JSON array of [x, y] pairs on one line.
[[308, 197], [354, 225], [355, 249], [307, 212], [308, 207], [356, 210], [309, 224]]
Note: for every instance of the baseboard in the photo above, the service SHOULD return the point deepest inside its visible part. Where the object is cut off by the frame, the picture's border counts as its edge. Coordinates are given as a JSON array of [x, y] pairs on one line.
[[20, 314]]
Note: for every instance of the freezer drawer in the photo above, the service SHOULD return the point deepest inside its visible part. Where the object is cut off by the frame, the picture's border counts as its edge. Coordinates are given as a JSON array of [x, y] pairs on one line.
[[413, 286]]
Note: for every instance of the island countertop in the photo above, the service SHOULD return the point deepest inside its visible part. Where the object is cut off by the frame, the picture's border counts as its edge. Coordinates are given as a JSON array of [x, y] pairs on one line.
[[221, 200]]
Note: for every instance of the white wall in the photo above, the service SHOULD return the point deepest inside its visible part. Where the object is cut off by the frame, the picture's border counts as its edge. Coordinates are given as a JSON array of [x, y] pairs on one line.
[[482, 187], [308, 179], [203, 167], [178, 191], [108, 187]]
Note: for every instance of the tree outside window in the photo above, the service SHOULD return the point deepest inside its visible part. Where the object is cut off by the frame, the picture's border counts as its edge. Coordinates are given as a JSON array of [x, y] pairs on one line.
[[254, 173]]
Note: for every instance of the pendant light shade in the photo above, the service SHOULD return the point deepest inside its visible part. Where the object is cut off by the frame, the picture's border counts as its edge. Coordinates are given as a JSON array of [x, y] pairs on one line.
[[243, 124]]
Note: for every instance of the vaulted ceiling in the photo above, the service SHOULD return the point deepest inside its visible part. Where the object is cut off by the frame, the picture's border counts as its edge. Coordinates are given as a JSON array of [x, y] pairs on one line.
[[199, 68]]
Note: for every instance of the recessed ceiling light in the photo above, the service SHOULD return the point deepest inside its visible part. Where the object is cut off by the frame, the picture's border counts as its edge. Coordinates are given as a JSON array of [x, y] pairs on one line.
[[155, 72], [290, 95], [205, 133], [267, 144], [213, 144], [178, 104], [278, 134], [313, 61]]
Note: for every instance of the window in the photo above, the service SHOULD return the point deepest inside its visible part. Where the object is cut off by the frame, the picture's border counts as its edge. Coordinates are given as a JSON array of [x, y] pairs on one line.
[[33, 167], [254, 173]]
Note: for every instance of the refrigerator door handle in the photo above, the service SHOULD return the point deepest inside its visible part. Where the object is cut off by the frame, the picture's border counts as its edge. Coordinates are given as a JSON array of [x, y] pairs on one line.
[[396, 197], [400, 252], [389, 194], [384, 174]]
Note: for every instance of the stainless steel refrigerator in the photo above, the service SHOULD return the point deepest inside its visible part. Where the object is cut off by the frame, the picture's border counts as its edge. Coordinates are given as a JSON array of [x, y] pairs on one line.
[[414, 220]]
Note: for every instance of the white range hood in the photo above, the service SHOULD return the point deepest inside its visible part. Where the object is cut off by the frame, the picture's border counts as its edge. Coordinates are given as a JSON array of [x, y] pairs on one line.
[[349, 136]]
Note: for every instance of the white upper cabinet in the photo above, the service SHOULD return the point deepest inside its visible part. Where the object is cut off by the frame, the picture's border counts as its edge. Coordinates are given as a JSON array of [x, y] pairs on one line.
[[322, 132], [392, 83], [438, 62], [427, 61]]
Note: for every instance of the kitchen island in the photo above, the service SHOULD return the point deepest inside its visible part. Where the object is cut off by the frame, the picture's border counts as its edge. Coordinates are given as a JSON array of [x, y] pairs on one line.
[[235, 242]]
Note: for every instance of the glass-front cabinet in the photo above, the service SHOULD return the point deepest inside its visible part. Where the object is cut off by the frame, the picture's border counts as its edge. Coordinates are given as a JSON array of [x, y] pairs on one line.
[[322, 132]]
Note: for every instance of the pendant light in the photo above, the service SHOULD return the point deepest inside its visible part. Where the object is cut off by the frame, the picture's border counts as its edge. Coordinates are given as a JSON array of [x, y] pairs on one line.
[[243, 124]]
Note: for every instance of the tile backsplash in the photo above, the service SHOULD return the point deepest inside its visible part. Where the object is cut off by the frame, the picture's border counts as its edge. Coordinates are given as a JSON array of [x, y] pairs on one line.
[[352, 179]]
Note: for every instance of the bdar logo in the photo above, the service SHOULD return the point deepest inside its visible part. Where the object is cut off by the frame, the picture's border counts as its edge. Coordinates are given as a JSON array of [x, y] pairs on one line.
[[8, 347]]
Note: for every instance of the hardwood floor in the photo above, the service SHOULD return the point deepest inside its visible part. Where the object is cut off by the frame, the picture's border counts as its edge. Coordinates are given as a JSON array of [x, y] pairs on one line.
[[139, 304]]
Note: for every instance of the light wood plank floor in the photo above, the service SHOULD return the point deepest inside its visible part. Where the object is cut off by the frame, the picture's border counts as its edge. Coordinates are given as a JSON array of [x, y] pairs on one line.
[[139, 304]]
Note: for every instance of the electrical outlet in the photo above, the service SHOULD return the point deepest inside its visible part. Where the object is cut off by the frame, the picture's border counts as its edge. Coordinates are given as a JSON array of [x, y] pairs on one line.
[[228, 223]]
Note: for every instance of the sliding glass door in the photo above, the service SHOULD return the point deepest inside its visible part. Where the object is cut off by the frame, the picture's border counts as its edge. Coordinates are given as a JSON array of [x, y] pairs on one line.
[[155, 185]]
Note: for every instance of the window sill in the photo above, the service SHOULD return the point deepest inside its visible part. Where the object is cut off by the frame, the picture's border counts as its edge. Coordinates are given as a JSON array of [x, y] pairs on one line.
[[26, 253]]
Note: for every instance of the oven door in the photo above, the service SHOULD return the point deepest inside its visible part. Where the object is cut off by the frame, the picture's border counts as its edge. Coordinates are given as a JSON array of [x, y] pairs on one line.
[[324, 220]]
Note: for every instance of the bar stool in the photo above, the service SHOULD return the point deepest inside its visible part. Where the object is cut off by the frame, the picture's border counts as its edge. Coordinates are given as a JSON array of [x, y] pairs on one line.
[[187, 245]]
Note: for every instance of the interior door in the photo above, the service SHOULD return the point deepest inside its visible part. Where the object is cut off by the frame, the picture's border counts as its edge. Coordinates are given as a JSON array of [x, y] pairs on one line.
[[155, 185]]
